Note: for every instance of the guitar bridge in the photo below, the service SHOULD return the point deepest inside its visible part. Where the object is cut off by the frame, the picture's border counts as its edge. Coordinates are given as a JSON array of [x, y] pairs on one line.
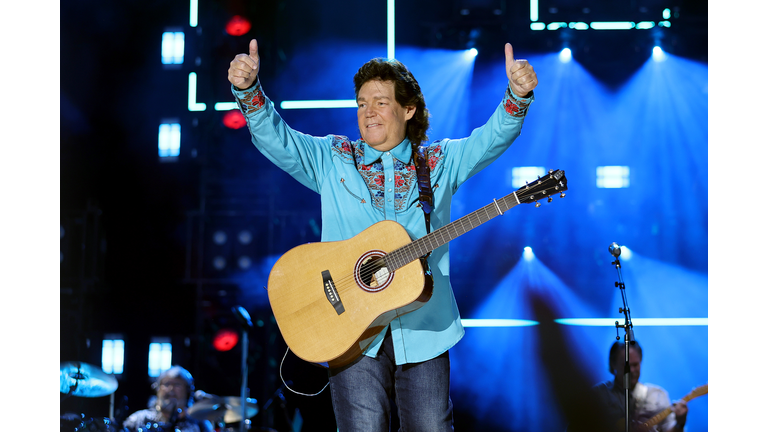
[[331, 293]]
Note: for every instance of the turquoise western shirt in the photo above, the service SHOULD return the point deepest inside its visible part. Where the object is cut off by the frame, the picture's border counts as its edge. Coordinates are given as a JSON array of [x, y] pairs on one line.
[[360, 186]]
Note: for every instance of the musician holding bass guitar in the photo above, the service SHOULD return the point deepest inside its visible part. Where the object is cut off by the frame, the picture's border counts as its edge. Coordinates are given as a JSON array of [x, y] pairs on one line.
[[325, 299]]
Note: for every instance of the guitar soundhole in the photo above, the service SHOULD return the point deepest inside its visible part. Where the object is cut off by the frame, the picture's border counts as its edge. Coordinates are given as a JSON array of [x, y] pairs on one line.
[[371, 273]]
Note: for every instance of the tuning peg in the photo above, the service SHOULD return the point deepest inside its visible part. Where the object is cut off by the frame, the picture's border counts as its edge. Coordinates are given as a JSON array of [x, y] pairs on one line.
[[538, 204], [549, 200], [562, 194]]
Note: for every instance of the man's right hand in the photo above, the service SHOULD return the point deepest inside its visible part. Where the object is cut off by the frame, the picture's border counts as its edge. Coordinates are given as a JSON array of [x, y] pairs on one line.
[[244, 69]]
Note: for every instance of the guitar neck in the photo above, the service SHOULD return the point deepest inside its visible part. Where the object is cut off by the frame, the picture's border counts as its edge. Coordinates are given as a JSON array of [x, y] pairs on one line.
[[446, 233]]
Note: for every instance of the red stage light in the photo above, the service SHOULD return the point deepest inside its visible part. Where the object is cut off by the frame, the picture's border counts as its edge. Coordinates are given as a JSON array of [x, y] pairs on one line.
[[238, 26], [225, 339], [234, 119]]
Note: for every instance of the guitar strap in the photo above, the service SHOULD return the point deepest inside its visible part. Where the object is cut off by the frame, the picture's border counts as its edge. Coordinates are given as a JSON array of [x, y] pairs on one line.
[[426, 196]]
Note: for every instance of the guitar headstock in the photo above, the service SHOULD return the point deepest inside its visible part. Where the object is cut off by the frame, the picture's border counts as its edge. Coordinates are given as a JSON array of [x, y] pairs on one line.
[[700, 390], [552, 183]]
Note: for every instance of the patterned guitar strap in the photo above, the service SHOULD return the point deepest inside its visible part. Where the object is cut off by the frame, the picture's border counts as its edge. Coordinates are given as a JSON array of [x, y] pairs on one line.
[[426, 196]]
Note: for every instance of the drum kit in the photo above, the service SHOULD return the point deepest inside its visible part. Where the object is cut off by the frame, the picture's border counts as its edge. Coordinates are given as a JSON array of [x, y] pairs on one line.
[[84, 380]]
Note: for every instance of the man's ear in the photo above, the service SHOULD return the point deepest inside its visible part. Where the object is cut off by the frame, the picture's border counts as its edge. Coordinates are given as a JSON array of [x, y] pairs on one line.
[[409, 112]]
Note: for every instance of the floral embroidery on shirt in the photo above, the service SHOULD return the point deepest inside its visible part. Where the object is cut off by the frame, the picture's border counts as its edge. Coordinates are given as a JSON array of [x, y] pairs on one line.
[[252, 101], [514, 107]]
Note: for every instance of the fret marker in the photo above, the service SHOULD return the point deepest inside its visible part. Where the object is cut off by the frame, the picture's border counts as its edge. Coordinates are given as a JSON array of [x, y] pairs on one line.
[[497, 207]]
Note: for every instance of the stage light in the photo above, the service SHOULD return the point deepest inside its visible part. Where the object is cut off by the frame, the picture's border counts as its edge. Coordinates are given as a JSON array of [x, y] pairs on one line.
[[498, 323], [193, 13], [225, 339], [219, 237], [579, 25], [611, 322], [390, 29], [612, 25], [534, 11], [658, 53], [644, 25], [613, 177], [556, 25], [666, 14], [304, 104], [523, 175], [219, 263], [233, 119], [112, 355], [565, 55], [169, 140], [192, 103], [626, 253], [528, 253], [244, 262], [225, 106], [172, 48], [470, 53], [538, 26], [160, 355], [237, 26], [245, 237]]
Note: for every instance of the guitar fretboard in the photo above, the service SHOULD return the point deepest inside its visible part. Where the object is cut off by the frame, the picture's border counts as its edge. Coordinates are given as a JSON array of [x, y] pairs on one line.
[[446, 233]]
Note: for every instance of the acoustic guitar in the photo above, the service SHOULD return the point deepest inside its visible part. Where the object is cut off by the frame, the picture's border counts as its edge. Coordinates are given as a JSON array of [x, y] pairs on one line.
[[331, 299]]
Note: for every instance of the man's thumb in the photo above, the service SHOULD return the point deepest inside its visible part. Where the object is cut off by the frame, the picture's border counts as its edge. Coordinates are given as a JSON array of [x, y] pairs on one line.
[[253, 49], [509, 53]]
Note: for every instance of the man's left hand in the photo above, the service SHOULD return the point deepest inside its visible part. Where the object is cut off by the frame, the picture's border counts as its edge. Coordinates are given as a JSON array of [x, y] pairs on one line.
[[522, 77], [681, 412]]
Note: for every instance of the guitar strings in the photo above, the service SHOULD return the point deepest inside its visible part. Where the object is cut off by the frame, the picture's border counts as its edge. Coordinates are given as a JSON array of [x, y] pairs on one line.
[[465, 224]]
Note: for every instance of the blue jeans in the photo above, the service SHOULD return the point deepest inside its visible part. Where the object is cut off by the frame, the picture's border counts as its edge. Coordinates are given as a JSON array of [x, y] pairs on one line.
[[361, 393]]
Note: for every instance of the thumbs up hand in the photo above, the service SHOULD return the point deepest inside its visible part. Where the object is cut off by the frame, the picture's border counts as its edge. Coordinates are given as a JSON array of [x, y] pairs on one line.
[[244, 69], [522, 77]]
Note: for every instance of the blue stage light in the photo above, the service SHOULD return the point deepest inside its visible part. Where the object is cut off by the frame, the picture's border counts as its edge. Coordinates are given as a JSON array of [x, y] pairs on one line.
[[528, 253], [470, 53], [169, 140], [565, 55], [172, 48], [658, 53]]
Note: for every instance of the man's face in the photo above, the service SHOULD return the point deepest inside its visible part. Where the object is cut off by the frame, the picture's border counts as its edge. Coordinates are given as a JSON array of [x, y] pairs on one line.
[[172, 391], [380, 118], [634, 366]]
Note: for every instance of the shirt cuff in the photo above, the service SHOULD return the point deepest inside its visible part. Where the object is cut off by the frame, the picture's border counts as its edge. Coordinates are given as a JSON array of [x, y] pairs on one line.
[[515, 105], [251, 99]]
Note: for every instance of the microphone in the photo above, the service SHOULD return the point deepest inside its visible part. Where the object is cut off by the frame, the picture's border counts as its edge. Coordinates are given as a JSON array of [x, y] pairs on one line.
[[243, 317], [199, 395], [614, 249]]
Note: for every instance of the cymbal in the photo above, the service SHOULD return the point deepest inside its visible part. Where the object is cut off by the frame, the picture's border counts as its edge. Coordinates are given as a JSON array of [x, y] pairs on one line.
[[227, 408], [85, 380]]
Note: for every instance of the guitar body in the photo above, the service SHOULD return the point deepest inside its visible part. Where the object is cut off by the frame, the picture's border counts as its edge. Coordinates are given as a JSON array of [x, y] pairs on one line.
[[329, 308]]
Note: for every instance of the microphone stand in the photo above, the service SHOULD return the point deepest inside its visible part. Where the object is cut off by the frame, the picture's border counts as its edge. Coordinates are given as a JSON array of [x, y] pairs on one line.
[[246, 325], [629, 334]]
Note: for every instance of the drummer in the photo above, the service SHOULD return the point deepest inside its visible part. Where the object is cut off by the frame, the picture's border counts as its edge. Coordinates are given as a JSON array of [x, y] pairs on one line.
[[168, 409]]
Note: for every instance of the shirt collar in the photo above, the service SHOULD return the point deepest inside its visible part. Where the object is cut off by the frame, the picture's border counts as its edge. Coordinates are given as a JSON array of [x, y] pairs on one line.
[[401, 152]]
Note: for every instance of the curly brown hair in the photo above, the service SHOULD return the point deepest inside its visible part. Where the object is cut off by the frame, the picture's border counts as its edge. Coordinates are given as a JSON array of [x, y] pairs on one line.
[[407, 93]]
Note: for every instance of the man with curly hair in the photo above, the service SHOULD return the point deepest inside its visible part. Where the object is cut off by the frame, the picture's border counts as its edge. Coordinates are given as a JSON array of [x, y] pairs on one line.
[[374, 178]]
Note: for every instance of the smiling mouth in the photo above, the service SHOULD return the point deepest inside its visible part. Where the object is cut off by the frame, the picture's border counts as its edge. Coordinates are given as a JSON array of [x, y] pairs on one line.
[[373, 125]]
